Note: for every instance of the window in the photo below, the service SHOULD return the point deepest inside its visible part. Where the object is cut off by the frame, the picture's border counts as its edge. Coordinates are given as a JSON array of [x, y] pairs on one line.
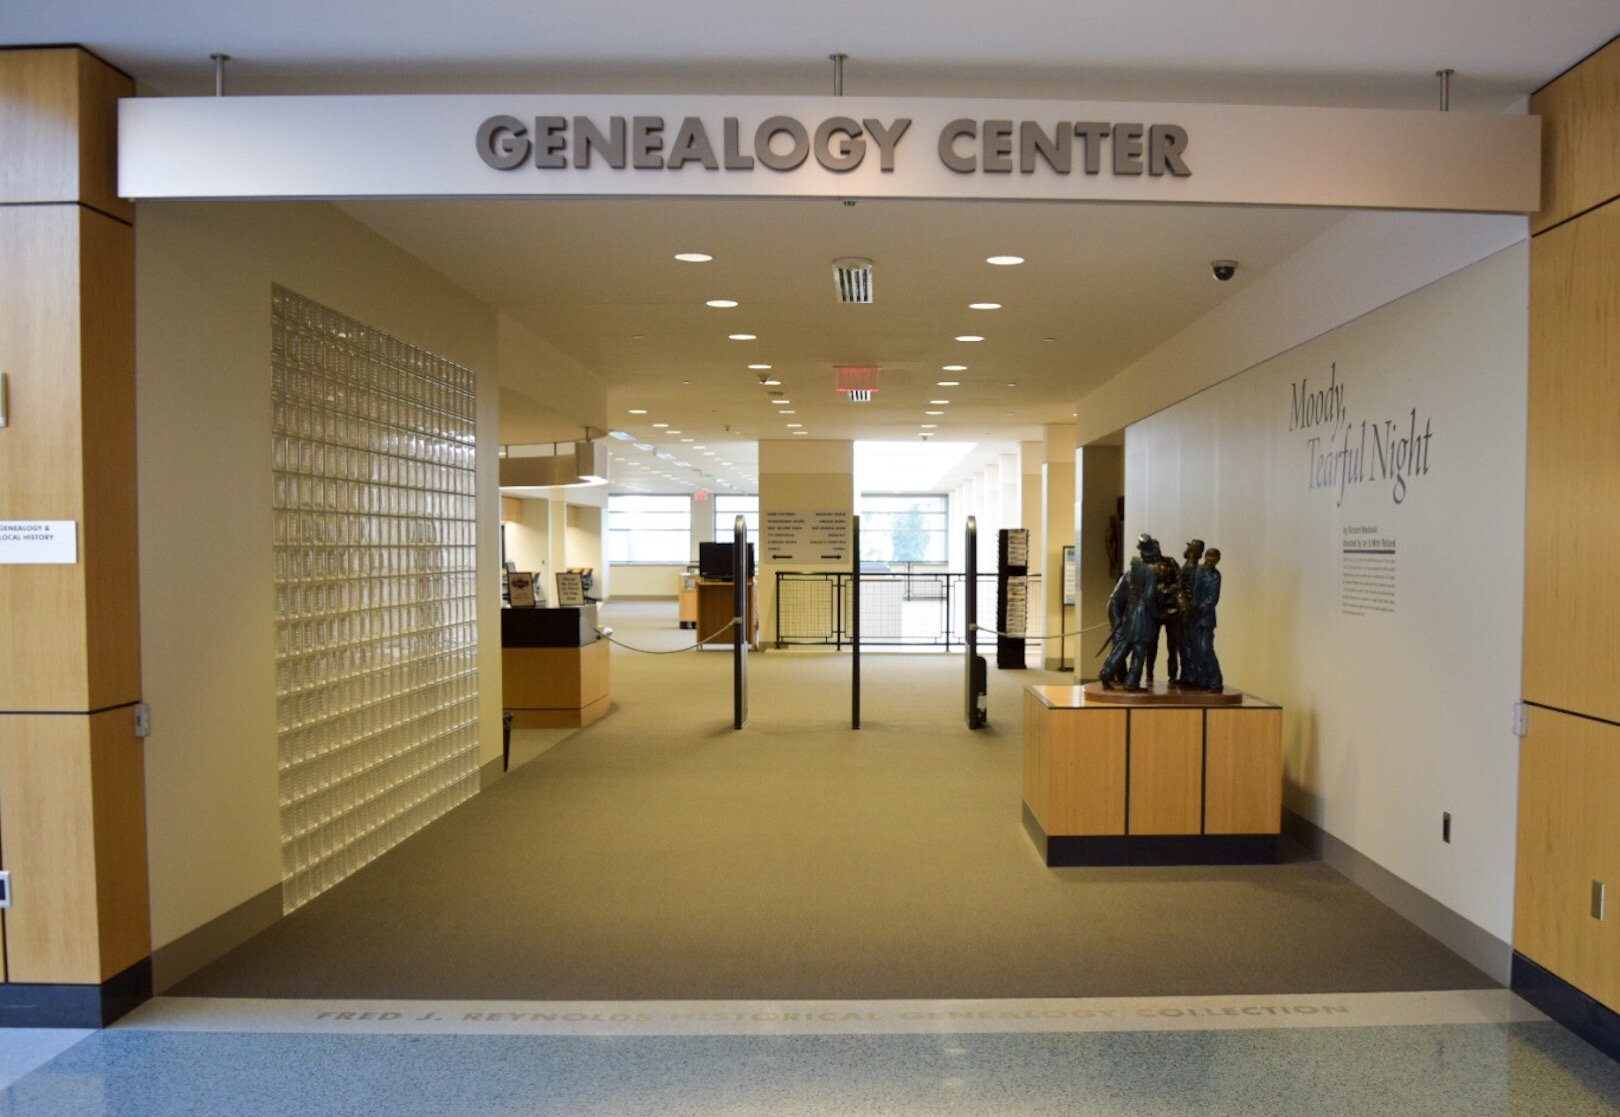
[[904, 527], [726, 511], [650, 529]]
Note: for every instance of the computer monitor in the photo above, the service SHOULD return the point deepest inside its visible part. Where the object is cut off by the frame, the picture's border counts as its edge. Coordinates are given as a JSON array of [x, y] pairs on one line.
[[715, 561]]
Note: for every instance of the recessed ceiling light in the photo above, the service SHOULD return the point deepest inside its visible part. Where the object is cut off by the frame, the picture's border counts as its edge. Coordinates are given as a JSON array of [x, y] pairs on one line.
[[672, 432], [725, 463], [1004, 261], [638, 411], [759, 368], [1012, 384], [781, 402], [971, 306], [953, 368], [660, 426], [933, 412], [693, 257], [969, 337], [685, 439], [795, 424], [789, 411], [929, 426], [939, 402], [948, 383], [742, 337], [721, 304], [801, 432], [698, 447], [771, 382]]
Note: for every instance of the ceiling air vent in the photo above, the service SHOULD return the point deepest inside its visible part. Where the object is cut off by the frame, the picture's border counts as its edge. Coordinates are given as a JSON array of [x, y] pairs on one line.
[[853, 277]]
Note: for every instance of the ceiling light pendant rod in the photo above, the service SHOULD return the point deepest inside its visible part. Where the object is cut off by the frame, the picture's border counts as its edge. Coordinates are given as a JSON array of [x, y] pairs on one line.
[[219, 61], [1445, 88], [838, 61]]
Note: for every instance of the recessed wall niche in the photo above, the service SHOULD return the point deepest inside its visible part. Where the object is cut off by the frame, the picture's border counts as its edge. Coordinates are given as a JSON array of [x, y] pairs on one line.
[[376, 624]]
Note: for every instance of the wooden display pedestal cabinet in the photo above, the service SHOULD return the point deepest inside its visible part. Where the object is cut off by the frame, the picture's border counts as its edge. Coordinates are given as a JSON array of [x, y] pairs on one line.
[[554, 668], [1179, 782]]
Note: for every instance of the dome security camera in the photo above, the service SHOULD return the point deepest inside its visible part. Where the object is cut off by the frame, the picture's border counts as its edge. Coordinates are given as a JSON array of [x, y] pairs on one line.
[[1223, 269]]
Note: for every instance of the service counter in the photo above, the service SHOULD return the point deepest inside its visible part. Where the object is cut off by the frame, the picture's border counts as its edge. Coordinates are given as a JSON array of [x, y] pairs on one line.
[[554, 667], [1181, 779]]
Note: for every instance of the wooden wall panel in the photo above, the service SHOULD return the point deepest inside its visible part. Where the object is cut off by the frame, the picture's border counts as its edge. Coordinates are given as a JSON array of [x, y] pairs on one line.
[[118, 798], [100, 87], [108, 542], [73, 835], [59, 129], [1243, 771], [1166, 788], [39, 125], [1580, 120], [43, 663], [1035, 785], [1569, 836], [1086, 766], [1572, 529]]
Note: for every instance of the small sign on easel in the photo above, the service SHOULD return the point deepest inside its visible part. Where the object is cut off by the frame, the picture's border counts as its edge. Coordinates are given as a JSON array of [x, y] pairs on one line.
[[570, 588], [521, 589]]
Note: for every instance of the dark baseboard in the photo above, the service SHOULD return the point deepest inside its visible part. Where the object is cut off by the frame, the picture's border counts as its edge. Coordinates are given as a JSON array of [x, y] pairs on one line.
[[1594, 1022], [1066, 851], [24, 1005]]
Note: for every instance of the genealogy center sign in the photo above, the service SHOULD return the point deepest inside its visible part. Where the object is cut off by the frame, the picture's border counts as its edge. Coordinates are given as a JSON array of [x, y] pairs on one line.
[[569, 145]]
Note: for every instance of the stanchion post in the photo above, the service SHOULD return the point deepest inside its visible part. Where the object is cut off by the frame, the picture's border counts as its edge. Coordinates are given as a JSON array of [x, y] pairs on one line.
[[739, 623], [974, 681], [855, 623]]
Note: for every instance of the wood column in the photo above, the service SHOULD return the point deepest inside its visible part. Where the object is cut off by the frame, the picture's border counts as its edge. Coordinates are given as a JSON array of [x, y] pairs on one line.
[[1567, 893], [72, 802]]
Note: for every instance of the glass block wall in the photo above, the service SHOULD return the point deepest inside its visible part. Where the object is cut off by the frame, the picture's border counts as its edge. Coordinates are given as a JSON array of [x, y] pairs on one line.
[[376, 627]]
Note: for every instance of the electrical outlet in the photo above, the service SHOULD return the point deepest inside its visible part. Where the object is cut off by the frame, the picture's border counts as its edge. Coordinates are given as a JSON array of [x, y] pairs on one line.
[[1445, 827]]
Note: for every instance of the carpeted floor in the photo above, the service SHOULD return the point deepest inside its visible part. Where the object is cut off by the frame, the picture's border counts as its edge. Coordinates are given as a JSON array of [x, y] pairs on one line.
[[660, 855]]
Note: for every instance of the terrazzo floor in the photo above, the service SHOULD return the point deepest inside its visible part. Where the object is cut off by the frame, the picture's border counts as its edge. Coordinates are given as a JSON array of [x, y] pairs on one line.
[[1477, 1052]]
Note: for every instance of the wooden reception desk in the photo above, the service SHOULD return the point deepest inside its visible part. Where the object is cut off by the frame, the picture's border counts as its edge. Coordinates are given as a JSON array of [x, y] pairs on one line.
[[1177, 782], [554, 667]]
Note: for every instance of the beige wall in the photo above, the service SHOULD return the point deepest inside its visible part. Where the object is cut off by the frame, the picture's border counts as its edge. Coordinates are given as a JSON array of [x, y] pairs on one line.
[[203, 278], [1057, 527], [1393, 716], [584, 545], [655, 579], [528, 539], [800, 475], [1102, 483], [1359, 264]]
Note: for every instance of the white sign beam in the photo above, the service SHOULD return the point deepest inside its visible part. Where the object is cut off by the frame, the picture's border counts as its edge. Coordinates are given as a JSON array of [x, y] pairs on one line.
[[638, 146]]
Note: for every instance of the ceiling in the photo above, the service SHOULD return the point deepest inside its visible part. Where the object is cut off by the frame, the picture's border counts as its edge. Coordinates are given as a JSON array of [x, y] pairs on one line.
[[1370, 52], [1102, 284]]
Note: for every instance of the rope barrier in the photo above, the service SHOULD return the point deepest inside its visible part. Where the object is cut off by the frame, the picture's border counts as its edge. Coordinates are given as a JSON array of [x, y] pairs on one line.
[[607, 634], [1054, 636]]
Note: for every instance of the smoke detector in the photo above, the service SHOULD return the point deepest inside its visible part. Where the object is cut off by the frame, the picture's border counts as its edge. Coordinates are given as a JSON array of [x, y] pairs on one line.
[[852, 275]]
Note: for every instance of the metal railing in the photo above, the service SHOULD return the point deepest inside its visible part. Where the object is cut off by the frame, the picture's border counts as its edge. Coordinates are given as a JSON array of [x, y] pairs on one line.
[[916, 608]]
